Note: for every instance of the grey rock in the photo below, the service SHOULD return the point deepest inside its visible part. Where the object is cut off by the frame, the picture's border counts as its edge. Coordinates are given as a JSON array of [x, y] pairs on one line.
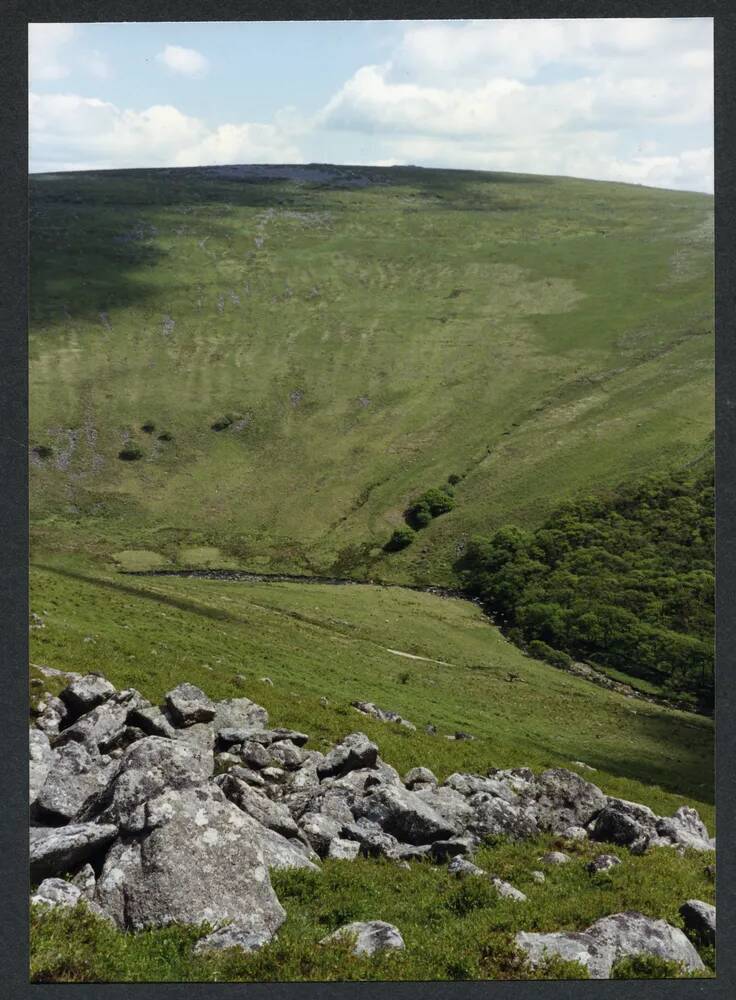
[[272, 815], [405, 815], [450, 804], [575, 833], [292, 735], [55, 892], [618, 827], [700, 919], [369, 936], [41, 758], [199, 864], [86, 693], [508, 891], [356, 751], [103, 727], [569, 946], [496, 817], [320, 831], [238, 934], [460, 867], [686, 828], [554, 858], [565, 799], [74, 779], [470, 784], [254, 755], [85, 880], [287, 755], [152, 722], [147, 769], [240, 713], [188, 704], [225, 761], [199, 736], [539, 877], [273, 774], [632, 933], [382, 714], [58, 850], [603, 863], [419, 776], [52, 715], [343, 850], [373, 841]]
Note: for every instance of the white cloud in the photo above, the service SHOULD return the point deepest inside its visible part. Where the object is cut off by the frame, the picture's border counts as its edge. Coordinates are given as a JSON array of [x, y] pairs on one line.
[[68, 128], [187, 62], [543, 96], [46, 56]]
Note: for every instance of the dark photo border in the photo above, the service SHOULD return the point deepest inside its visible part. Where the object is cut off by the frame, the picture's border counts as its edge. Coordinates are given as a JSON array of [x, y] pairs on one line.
[[14, 951]]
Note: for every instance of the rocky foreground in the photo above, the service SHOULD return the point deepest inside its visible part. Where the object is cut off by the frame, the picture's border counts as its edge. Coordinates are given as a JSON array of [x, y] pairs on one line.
[[175, 814]]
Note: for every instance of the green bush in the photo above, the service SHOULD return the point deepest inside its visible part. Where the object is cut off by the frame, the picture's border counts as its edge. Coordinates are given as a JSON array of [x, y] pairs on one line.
[[400, 539], [43, 451], [130, 453], [430, 504], [541, 651], [646, 967], [453, 479], [166, 436], [149, 427]]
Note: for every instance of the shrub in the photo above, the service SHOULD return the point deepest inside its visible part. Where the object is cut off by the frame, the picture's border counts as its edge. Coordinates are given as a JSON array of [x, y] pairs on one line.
[[166, 436], [646, 967], [43, 451], [149, 427], [400, 539], [431, 504], [453, 479], [541, 651], [419, 515], [130, 453]]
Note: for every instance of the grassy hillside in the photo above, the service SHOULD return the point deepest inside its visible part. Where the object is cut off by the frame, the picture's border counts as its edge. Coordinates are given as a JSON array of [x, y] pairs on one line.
[[319, 641], [539, 336], [315, 641]]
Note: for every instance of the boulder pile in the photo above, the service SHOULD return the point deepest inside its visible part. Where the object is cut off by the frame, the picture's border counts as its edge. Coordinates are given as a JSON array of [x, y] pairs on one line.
[[176, 813]]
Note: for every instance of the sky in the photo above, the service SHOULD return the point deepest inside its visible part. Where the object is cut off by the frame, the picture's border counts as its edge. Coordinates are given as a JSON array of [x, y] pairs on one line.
[[608, 99]]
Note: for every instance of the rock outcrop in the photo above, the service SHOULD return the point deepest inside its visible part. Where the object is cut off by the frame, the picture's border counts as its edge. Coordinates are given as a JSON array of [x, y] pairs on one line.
[[176, 812]]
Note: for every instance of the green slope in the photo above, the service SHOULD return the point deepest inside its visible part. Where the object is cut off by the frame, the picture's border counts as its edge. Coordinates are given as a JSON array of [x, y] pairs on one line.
[[539, 335], [317, 641]]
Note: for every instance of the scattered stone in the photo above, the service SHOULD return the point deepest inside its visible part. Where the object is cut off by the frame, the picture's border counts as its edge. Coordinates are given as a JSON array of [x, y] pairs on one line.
[[539, 877], [443, 850], [700, 919], [55, 892], [287, 755], [686, 828], [585, 767], [569, 946], [508, 891], [267, 680], [554, 858], [576, 833], [369, 937], [602, 863], [632, 933], [373, 841], [273, 774], [239, 934], [460, 867], [240, 713], [324, 702], [188, 704], [382, 714]]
